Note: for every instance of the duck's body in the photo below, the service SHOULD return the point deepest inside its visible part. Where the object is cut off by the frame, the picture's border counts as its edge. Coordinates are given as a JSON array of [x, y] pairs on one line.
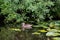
[[26, 26]]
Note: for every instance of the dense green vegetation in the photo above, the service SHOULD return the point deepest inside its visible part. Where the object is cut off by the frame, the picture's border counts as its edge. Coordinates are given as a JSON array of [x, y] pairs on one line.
[[43, 15]]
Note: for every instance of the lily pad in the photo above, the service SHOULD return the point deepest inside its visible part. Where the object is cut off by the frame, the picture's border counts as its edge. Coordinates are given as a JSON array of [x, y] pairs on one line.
[[52, 34], [56, 38], [36, 33], [42, 30], [15, 29]]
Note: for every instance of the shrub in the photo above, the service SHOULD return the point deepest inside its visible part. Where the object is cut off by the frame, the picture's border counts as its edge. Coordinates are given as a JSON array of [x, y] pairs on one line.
[[33, 11]]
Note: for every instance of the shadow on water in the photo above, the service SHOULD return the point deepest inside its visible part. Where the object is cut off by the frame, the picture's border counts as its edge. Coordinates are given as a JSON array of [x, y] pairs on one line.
[[28, 36]]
